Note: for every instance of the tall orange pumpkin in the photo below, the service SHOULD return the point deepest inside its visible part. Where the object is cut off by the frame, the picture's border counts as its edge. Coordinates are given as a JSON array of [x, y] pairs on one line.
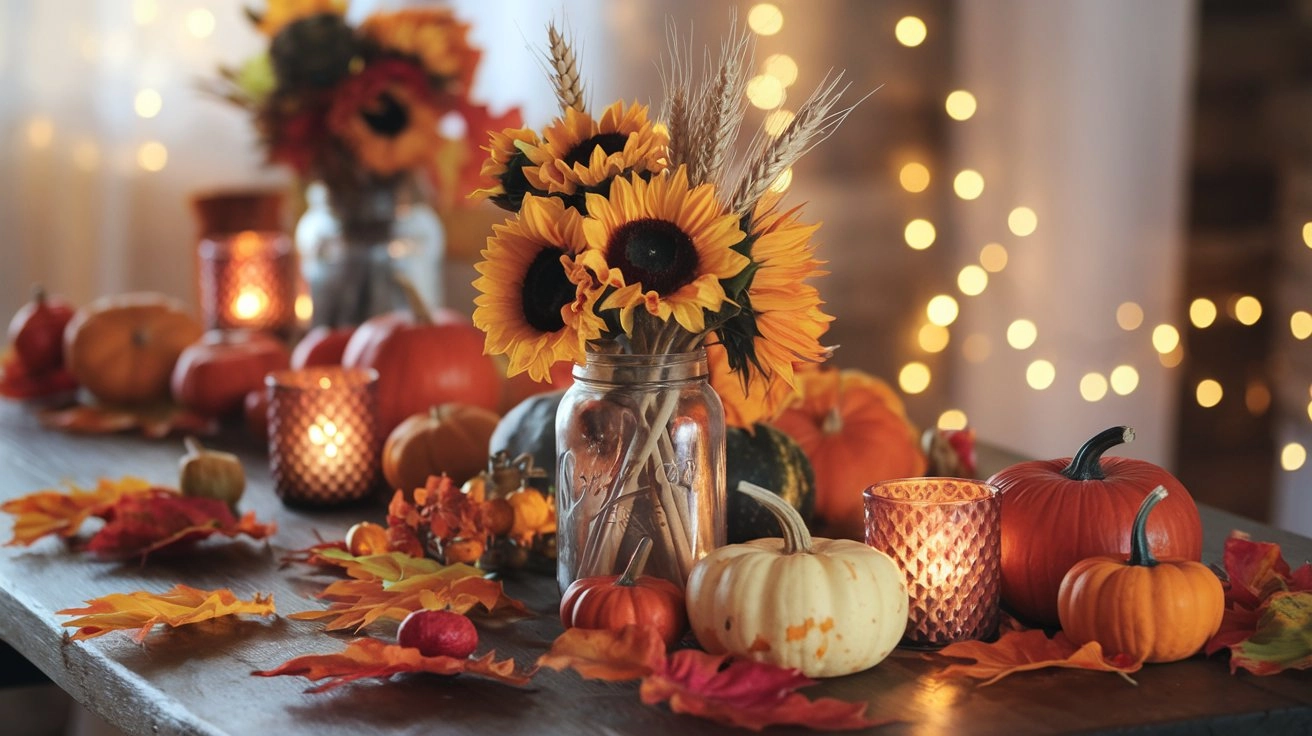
[[122, 348], [853, 428]]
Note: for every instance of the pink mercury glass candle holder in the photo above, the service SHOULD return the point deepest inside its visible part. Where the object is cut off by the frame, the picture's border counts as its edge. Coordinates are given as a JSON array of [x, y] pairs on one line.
[[323, 435], [946, 535], [248, 280]]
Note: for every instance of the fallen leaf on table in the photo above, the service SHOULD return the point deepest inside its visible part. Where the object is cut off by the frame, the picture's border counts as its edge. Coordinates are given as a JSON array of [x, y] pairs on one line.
[[390, 566], [367, 657], [17, 383], [313, 555], [1267, 625], [142, 611], [1022, 651], [154, 421], [63, 513], [160, 518], [744, 694]]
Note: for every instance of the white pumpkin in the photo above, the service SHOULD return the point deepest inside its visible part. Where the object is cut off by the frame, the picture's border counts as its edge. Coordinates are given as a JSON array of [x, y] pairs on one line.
[[827, 607]]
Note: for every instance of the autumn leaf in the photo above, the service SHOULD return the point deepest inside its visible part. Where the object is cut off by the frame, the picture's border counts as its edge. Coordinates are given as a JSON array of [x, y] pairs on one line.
[[17, 383], [367, 657], [154, 422], [390, 566], [143, 611], [1021, 651], [313, 555], [355, 604], [1282, 640], [161, 518], [1267, 609], [745, 694], [63, 513]]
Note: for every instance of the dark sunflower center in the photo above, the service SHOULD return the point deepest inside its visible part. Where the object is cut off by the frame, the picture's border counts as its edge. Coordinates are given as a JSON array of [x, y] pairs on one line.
[[386, 116], [655, 253], [546, 289], [609, 142]]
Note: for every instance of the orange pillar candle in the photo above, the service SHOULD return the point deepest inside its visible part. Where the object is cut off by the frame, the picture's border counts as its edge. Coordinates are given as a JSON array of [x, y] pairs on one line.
[[323, 436], [946, 535], [248, 279]]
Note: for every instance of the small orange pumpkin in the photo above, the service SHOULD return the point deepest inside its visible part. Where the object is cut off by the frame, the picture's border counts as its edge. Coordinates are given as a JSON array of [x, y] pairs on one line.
[[451, 439], [1153, 610], [615, 601], [534, 514], [122, 348], [853, 428]]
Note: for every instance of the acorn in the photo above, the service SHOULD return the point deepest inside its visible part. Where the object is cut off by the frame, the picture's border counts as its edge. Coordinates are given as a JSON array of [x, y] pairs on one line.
[[206, 473]]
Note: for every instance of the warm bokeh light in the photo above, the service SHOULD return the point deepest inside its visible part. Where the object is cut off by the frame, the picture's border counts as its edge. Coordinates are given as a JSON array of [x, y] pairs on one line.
[[910, 31], [86, 155], [976, 348], [968, 184], [1124, 380], [40, 132], [1021, 334], [1093, 387], [1208, 393], [304, 307], [1173, 358], [933, 338], [1165, 338], [765, 19], [783, 181], [781, 67], [1202, 313], [914, 377], [942, 310], [972, 280], [250, 303], [920, 234], [1257, 397], [1248, 310], [1022, 222], [952, 419], [960, 105], [1309, 410], [993, 257], [200, 23], [152, 156], [765, 92], [1300, 325], [1292, 456], [1307, 234], [144, 12], [147, 103], [1040, 374], [777, 121], [914, 177], [1129, 316]]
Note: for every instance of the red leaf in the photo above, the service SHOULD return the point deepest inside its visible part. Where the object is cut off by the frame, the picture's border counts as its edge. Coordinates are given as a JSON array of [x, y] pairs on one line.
[[367, 657], [1262, 639], [63, 513], [152, 521], [1021, 651]]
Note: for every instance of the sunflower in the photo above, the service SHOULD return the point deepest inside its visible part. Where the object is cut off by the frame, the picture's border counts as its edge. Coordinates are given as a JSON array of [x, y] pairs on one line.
[[278, 14], [386, 116], [505, 164], [577, 151], [746, 402], [536, 304], [434, 36]]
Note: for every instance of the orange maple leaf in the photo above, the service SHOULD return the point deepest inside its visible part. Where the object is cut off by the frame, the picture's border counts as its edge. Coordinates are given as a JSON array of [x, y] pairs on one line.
[[63, 513], [744, 694], [155, 421], [142, 610], [367, 657], [1021, 651]]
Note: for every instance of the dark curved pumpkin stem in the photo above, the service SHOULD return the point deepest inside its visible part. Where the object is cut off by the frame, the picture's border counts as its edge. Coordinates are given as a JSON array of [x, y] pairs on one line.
[[637, 563], [797, 538], [1140, 552], [1087, 463]]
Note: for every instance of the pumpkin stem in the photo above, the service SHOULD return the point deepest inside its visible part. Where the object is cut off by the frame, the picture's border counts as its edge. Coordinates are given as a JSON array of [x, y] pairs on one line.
[[1087, 463], [418, 309], [432, 413], [796, 536], [637, 563], [1140, 552], [833, 422], [193, 445], [39, 294]]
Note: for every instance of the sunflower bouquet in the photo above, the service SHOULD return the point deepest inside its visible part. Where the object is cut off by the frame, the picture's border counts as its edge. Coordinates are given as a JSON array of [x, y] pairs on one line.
[[638, 236]]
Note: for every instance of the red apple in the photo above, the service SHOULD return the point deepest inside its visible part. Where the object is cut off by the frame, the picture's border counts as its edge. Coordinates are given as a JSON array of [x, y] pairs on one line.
[[438, 634], [213, 376], [322, 345]]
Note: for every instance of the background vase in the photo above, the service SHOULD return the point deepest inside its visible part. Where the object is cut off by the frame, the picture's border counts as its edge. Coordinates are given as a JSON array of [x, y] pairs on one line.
[[355, 238]]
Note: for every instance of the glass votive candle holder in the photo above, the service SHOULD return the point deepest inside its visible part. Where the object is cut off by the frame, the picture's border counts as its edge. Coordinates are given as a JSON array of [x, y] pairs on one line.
[[323, 434], [946, 535], [248, 280]]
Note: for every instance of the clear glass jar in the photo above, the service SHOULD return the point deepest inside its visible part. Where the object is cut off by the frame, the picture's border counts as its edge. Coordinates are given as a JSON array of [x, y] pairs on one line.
[[353, 241], [640, 440]]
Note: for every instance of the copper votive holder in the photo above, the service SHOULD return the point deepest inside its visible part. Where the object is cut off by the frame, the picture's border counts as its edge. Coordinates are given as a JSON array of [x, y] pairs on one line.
[[946, 535], [323, 434], [248, 280]]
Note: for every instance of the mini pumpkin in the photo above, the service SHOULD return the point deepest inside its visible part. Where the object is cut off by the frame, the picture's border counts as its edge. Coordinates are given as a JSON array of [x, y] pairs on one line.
[[615, 601], [451, 439], [122, 348], [1153, 610], [213, 376], [827, 607]]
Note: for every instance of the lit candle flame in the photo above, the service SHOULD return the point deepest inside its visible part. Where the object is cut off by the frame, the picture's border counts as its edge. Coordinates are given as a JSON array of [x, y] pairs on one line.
[[250, 303]]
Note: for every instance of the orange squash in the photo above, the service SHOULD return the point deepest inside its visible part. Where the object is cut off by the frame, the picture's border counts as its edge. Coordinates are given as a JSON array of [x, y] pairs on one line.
[[451, 439], [854, 430], [615, 601], [122, 348]]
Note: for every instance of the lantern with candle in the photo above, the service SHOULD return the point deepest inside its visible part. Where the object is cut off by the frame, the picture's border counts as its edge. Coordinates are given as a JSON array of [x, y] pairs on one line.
[[248, 280], [323, 439], [946, 535]]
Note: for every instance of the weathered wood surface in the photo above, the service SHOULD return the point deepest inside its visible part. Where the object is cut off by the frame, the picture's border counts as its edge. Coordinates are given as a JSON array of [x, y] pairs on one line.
[[196, 680]]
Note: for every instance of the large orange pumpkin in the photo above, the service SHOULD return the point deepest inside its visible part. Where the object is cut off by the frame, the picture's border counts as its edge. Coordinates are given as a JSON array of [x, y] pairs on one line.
[[122, 348], [451, 439], [854, 430]]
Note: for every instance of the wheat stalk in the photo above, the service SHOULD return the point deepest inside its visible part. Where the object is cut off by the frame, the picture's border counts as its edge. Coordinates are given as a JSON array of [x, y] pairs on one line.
[[722, 105], [676, 81], [563, 66]]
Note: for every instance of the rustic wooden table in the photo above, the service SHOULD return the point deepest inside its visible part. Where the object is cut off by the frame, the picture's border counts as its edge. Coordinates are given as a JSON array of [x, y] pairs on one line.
[[196, 679]]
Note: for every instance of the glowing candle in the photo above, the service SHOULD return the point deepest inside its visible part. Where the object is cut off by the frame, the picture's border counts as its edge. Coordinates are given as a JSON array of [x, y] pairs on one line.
[[323, 437], [946, 535], [248, 280]]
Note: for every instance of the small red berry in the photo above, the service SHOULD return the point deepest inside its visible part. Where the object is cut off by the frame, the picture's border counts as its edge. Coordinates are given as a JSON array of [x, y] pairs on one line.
[[438, 634]]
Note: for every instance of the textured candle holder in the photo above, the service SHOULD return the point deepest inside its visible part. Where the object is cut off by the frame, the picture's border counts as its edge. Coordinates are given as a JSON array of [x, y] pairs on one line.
[[248, 279], [946, 535], [323, 436]]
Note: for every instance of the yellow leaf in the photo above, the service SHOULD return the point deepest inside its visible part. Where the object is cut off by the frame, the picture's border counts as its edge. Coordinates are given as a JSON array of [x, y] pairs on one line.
[[63, 513], [142, 610]]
